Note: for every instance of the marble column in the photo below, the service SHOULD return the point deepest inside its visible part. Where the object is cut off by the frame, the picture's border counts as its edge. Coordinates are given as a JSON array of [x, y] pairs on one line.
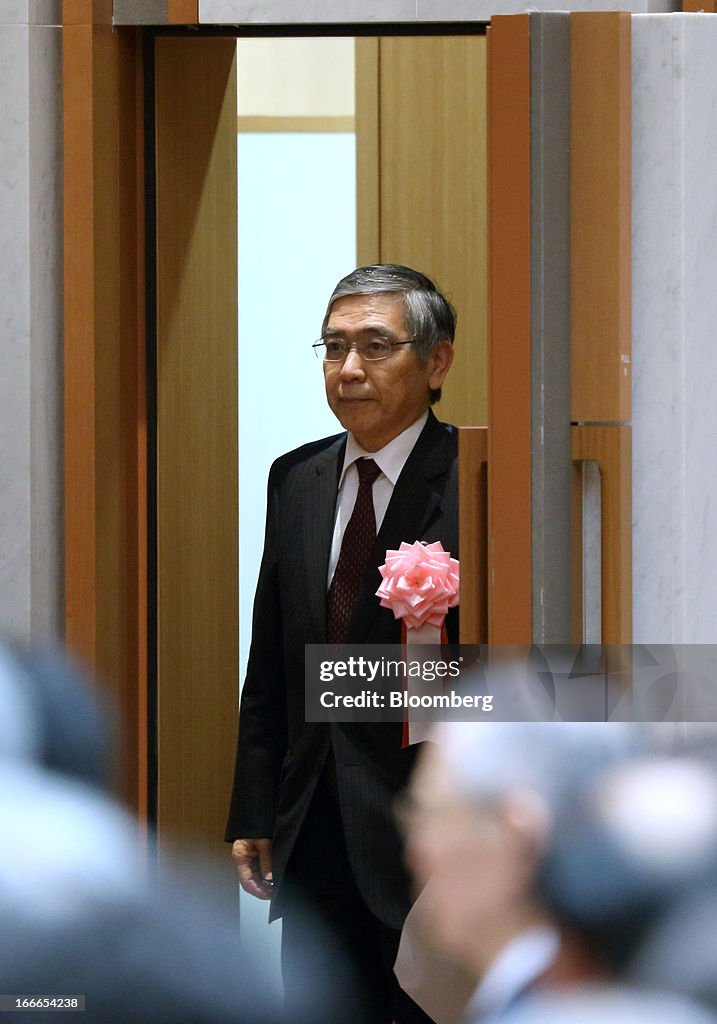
[[674, 269], [31, 303]]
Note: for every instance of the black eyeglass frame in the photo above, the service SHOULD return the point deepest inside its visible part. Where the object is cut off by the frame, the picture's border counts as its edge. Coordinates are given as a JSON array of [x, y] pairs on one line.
[[322, 342]]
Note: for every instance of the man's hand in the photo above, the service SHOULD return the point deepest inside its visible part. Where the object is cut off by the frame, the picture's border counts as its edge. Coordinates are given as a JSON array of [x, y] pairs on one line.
[[253, 860]]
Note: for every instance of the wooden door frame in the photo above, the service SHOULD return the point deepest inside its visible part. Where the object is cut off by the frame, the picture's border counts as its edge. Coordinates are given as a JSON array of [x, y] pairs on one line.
[[108, 550], [107, 541], [104, 356]]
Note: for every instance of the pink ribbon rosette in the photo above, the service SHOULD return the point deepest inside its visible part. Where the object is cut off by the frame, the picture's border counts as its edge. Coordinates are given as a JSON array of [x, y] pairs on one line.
[[420, 583]]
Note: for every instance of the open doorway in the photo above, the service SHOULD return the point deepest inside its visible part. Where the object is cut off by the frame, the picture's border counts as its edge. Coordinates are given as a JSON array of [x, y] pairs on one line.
[[266, 258]]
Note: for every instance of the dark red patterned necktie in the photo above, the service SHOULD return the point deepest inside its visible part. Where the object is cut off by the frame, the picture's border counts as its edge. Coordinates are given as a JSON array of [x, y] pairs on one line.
[[356, 547]]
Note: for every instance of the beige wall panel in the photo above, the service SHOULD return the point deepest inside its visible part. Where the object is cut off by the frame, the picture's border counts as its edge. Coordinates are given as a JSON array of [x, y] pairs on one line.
[[196, 433], [259, 123], [368, 180], [432, 153], [295, 77]]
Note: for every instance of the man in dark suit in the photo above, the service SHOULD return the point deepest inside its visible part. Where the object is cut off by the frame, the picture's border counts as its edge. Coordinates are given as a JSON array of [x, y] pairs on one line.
[[311, 815]]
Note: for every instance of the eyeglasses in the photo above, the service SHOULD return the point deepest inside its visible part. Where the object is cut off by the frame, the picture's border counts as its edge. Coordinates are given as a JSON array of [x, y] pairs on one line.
[[334, 350]]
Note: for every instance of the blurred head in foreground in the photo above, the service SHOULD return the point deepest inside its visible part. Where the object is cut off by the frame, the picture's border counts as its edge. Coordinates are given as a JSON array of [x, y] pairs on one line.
[[679, 954], [621, 855], [80, 914], [50, 717], [478, 820]]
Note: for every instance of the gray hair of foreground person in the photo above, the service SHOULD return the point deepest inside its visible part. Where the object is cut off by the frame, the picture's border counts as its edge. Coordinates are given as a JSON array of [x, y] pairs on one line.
[[429, 316], [51, 717], [551, 760], [621, 855]]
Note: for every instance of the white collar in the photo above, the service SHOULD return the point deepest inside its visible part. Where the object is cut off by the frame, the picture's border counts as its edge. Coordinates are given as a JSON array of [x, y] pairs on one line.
[[518, 965], [392, 457]]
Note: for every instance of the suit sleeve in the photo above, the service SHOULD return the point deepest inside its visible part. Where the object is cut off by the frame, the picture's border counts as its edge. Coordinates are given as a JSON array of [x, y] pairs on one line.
[[262, 740]]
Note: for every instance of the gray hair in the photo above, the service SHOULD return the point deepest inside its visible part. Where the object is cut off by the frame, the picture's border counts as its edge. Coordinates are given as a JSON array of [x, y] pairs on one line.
[[429, 316], [553, 759]]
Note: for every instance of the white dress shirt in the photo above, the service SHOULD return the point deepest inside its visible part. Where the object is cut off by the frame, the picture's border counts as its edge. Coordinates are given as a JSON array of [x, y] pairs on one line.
[[390, 460], [518, 966]]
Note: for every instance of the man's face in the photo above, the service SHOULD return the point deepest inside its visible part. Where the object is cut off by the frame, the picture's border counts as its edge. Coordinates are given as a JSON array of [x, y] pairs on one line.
[[470, 859], [376, 400]]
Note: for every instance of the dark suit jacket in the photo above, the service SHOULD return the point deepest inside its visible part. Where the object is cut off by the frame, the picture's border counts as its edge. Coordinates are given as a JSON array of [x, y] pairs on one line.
[[280, 756]]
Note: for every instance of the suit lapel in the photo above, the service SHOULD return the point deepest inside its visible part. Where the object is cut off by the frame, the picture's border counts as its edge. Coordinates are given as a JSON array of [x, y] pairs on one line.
[[319, 505], [415, 504]]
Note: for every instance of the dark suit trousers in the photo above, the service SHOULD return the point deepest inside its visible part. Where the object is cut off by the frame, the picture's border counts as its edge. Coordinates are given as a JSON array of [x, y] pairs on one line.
[[354, 965]]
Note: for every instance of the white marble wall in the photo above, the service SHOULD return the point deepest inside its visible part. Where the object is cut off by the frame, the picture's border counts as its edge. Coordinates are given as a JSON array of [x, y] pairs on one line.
[[333, 12], [30, 312], [30, 12], [674, 328]]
